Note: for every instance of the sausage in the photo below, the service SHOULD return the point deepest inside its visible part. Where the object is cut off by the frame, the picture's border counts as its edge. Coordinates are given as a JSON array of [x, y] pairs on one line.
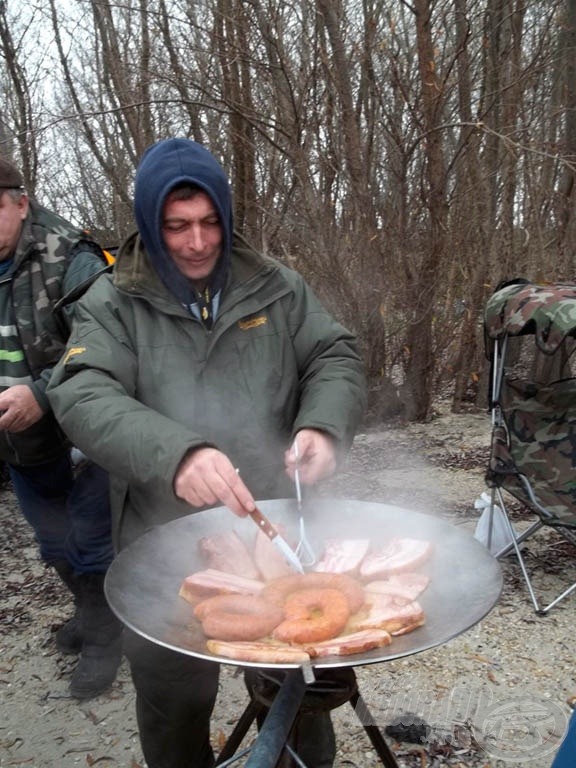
[[237, 617], [313, 615], [278, 590]]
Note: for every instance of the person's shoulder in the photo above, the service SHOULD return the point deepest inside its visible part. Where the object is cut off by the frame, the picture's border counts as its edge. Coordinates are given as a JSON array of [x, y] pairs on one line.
[[292, 279], [245, 251], [101, 292], [53, 222], [287, 272], [74, 244], [86, 247]]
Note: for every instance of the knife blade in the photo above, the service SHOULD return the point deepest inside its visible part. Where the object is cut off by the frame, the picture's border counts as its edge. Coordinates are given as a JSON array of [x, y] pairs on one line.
[[279, 542]]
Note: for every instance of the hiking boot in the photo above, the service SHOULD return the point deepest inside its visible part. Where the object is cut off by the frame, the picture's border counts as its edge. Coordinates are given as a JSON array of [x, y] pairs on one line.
[[96, 670], [101, 652], [69, 636]]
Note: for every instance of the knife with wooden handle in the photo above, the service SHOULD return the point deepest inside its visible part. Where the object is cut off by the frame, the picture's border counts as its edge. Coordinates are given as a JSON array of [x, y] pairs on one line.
[[297, 478], [279, 542]]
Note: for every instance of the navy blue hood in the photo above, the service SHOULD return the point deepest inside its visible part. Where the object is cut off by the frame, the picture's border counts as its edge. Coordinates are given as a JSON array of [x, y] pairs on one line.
[[165, 165]]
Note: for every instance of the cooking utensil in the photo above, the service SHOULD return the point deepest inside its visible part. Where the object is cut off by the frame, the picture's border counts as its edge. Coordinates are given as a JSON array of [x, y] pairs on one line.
[[304, 548], [279, 542], [143, 581]]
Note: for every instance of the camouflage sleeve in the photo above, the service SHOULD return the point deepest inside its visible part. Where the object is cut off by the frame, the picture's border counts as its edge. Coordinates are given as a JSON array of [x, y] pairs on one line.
[[84, 266]]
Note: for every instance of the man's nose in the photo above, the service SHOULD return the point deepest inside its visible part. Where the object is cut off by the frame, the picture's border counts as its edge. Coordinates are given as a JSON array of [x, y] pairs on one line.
[[195, 238]]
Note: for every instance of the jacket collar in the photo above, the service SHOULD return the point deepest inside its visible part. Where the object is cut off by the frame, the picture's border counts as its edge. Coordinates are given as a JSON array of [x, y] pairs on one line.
[[134, 274]]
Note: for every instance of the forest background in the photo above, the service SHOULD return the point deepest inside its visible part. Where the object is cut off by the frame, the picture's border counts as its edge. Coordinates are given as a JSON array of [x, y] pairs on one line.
[[406, 156]]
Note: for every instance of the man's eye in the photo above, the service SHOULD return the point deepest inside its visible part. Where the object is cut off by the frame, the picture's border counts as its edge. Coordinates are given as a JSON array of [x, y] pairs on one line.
[[174, 227]]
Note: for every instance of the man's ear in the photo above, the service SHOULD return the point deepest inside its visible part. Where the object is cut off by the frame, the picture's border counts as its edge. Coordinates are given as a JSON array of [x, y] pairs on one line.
[[23, 205]]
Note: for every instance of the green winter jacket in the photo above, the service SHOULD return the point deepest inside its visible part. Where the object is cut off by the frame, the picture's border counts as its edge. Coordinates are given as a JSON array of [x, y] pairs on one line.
[[143, 381], [54, 262]]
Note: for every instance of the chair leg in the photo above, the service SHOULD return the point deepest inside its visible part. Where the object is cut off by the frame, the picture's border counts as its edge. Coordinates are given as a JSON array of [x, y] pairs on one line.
[[516, 540], [544, 611]]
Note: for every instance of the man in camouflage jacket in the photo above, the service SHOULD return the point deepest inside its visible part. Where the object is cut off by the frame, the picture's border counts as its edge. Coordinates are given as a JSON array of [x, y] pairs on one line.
[[45, 263]]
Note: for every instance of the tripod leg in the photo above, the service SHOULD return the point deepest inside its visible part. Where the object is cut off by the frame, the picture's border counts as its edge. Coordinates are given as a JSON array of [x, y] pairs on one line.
[[274, 732], [382, 749], [240, 730]]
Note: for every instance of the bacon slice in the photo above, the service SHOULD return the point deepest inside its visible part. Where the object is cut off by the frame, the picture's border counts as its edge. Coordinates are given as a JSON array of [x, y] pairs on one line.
[[389, 612], [398, 555], [259, 652], [268, 560], [227, 552], [346, 645], [406, 585], [342, 555], [211, 581]]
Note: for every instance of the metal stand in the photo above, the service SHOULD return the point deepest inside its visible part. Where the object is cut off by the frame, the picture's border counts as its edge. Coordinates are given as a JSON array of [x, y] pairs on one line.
[[283, 711]]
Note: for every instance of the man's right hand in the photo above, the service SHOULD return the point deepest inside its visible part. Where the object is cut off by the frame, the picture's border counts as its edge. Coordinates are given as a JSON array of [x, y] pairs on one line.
[[19, 409], [206, 476]]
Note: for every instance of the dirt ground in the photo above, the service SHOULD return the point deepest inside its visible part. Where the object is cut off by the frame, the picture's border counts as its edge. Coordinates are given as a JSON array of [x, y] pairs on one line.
[[495, 697]]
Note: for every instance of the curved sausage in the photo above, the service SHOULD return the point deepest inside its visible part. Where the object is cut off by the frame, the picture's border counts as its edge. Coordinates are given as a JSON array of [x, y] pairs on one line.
[[237, 617], [278, 590], [313, 615]]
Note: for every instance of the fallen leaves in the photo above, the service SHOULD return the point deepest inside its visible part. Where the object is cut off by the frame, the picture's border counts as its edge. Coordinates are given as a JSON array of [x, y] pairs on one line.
[[95, 760]]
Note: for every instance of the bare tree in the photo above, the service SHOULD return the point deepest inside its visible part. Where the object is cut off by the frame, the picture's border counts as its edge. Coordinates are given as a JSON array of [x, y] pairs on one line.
[[405, 156], [19, 113], [566, 190]]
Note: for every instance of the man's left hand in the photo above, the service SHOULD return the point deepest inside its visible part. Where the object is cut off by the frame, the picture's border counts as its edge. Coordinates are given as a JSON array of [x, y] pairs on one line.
[[19, 409], [316, 456]]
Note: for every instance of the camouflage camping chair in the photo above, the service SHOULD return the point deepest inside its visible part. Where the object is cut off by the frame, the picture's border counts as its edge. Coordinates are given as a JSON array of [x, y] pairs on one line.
[[530, 333]]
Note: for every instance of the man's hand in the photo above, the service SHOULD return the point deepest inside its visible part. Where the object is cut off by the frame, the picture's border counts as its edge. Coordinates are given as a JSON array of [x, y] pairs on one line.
[[316, 456], [207, 476], [19, 409]]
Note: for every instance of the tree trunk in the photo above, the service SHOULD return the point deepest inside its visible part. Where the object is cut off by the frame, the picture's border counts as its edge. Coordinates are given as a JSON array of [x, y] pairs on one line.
[[420, 370]]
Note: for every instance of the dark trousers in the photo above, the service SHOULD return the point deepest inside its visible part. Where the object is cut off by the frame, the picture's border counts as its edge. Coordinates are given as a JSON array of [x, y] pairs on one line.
[[175, 696], [69, 510], [312, 737]]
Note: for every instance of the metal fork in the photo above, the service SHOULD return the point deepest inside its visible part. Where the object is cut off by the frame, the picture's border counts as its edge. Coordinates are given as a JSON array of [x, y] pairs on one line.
[[304, 548]]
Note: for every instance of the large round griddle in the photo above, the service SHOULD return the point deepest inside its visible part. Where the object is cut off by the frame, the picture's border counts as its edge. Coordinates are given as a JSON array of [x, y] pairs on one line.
[[143, 581]]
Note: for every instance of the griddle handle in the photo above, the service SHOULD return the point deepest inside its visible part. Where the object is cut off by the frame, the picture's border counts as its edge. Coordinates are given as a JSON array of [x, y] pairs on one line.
[[276, 728]]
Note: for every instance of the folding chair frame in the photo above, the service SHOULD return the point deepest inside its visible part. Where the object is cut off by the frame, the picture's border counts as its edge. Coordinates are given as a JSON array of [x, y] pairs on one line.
[[497, 497]]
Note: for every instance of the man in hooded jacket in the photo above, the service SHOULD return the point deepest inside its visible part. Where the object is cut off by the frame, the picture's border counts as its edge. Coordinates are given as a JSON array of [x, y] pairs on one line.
[[188, 374]]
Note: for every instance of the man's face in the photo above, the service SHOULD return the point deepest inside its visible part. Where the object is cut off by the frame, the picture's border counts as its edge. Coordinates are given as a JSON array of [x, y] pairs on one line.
[[12, 214], [193, 236]]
